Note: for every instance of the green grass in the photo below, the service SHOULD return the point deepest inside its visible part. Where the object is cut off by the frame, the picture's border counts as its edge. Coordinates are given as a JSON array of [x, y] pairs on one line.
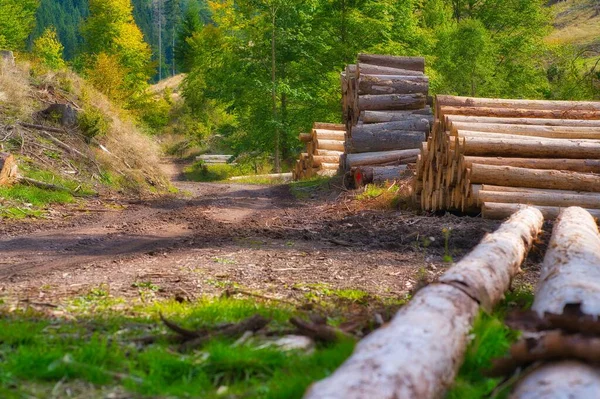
[[303, 189], [95, 344]]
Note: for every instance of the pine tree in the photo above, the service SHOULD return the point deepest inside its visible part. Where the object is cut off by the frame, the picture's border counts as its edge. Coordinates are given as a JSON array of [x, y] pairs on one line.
[[190, 25]]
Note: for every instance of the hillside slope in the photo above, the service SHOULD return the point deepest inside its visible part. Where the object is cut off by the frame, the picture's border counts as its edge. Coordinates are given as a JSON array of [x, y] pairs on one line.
[[577, 22]]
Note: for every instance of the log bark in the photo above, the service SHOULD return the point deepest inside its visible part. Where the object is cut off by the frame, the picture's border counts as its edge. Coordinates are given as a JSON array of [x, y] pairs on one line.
[[570, 275], [542, 148], [564, 132], [413, 124], [330, 145], [456, 101], [418, 354], [573, 165], [519, 113], [384, 140], [328, 152], [506, 136], [377, 174], [8, 169], [486, 273], [399, 157], [391, 84], [317, 160], [391, 116], [411, 63], [329, 126], [415, 356], [329, 166], [493, 210], [391, 102], [534, 178], [369, 69], [550, 198], [523, 121], [322, 134], [305, 137]]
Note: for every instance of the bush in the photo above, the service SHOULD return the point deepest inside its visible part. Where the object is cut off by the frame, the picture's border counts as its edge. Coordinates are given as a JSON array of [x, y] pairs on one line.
[[93, 122], [49, 50]]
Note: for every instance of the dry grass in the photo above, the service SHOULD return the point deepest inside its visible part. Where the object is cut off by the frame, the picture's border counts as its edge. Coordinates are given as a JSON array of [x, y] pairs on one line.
[[14, 91], [576, 22]]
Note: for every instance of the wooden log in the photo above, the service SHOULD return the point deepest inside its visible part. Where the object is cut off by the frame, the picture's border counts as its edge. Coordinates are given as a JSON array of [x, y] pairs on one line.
[[390, 116], [330, 145], [327, 153], [534, 178], [398, 157], [364, 175], [564, 132], [496, 211], [329, 126], [369, 69], [507, 136], [322, 134], [486, 273], [541, 148], [390, 84], [519, 113], [574, 165], [523, 121], [410, 63], [550, 198], [326, 172], [317, 160], [305, 137], [413, 124], [8, 169], [329, 166], [544, 105], [391, 102], [570, 276], [418, 354], [384, 140]]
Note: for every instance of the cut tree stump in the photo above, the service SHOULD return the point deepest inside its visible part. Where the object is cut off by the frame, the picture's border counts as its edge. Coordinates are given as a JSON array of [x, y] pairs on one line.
[[8, 169]]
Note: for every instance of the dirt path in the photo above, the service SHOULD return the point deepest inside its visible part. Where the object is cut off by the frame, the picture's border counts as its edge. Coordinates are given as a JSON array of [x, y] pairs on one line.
[[215, 236]]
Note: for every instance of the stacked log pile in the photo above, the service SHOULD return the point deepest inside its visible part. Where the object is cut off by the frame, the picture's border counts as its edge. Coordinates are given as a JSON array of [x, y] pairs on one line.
[[386, 115], [490, 156], [324, 146]]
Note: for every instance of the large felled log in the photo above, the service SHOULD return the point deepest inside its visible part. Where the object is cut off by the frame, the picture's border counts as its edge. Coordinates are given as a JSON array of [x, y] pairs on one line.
[[390, 84], [411, 63], [391, 102], [330, 145], [384, 140], [8, 169], [550, 198], [390, 116], [456, 101], [520, 113], [497, 211], [469, 135], [329, 126], [486, 273], [574, 165], [541, 148], [418, 354], [377, 174], [570, 275], [413, 124], [369, 69], [523, 121], [561, 132], [318, 160], [305, 137], [323, 134], [399, 157], [534, 178]]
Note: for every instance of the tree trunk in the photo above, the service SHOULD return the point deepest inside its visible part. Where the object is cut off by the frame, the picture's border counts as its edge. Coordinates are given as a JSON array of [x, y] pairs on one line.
[[368, 69], [519, 113], [415, 124], [523, 121], [560, 132], [544, 105], [549, 198], [534, 178], [377, 174], [368, 117], [384, 140], [570, 275], [329, 126], [505, 136], [387, 102], [318, 160], [321, 134], [8, 169], [389, 84], [573, 165], [418, 354], [274, 94], [330, 145], [399, 157], [410, 63], [542, 148]]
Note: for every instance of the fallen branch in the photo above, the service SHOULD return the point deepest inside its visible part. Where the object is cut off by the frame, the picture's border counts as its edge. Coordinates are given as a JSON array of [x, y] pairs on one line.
[[41, 127], [317, 331], [41, 184]]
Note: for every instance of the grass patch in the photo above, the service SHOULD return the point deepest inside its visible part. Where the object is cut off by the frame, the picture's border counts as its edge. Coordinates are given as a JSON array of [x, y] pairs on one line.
[[95, 345], [303, 189], [386, 196], [35, 196]]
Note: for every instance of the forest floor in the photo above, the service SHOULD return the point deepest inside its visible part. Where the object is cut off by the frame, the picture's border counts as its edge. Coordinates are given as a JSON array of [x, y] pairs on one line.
[[78, 288]]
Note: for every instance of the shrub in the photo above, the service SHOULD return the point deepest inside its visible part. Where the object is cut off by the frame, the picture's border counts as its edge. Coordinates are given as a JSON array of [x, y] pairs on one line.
[[93, 122], [49, 50]]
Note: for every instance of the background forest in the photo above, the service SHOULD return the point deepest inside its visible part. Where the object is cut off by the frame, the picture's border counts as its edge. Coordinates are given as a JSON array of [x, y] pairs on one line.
[[258, 72]]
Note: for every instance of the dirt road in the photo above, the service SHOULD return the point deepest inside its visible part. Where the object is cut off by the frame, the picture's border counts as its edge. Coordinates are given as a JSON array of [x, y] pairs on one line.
[[214, 236]]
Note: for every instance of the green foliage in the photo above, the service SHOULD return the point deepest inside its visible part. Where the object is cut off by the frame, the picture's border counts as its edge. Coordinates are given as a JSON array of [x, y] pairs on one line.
[[92, 122], [49, 50], [201, 171], [17, 19], [34, 195], [190, 25]]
